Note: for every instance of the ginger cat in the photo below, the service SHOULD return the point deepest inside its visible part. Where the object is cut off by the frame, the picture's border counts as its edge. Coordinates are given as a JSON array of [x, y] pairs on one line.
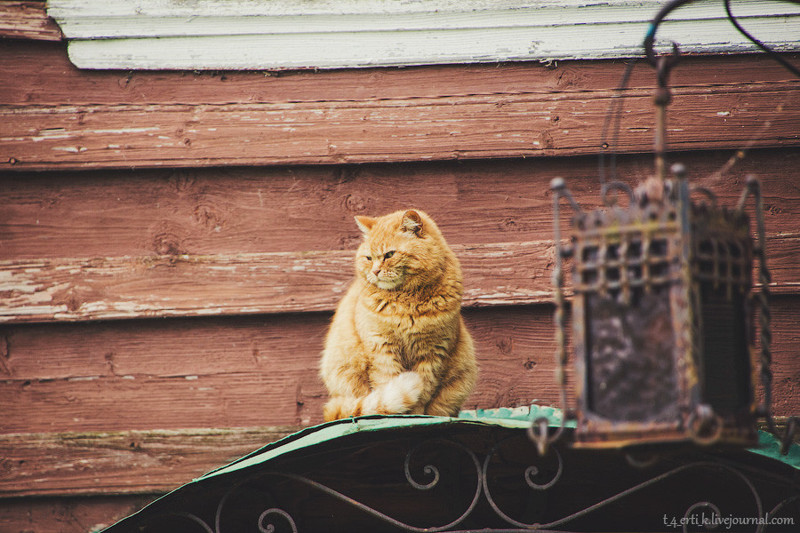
[[397, 343]]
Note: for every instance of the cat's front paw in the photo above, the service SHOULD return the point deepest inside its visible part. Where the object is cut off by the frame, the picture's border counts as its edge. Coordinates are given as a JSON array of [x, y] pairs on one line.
[[411, 382], [400, 394]]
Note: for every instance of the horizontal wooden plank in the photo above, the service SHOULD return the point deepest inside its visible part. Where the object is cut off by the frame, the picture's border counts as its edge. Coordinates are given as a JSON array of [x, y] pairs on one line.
[[67, 514], [209, 212], [213, 372], [184, 285], [372, 44], [57, 82], [93, 136], [123, 462], [214, 35], [261, 371], [27, 20]]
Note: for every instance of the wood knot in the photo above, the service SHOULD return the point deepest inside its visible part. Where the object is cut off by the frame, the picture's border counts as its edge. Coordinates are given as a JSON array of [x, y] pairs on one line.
[[567, 78], [349, 242], [505, 345], [509, 224], [7, 467], [167, 244], [72, 301], [208, 217], [546, 140], [75, 297], [355, 204], [135, 443]]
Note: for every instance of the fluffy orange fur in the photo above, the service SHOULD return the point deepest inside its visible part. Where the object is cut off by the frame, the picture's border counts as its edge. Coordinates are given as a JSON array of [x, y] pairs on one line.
[[397, 343]]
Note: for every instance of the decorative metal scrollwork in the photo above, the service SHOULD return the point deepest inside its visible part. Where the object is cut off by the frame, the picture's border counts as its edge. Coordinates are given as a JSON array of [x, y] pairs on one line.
[[270, 528], [774, 512], [529, 476], [429, 470], [690, 512], [430, 467]]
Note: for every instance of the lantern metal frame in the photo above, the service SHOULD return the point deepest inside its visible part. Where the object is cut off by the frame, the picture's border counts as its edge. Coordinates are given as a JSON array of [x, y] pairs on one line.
[[652, 285]]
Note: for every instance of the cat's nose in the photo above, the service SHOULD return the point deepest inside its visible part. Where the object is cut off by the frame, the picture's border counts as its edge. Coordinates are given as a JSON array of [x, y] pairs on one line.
[[376, 271]]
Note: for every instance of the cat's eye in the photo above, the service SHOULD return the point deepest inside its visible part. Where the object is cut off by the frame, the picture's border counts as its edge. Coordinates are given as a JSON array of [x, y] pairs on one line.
[[368, 258], [387, 255]]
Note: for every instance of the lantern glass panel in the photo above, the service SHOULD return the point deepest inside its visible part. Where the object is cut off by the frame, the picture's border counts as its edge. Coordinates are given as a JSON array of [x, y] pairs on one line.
[[631, 366]]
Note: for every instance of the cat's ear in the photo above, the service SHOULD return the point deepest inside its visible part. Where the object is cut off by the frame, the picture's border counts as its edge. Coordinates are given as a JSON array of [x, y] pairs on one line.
[[412, 223], [365, 223]]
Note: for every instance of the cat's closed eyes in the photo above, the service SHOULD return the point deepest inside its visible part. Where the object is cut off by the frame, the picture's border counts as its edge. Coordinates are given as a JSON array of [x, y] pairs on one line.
[[397, 343]]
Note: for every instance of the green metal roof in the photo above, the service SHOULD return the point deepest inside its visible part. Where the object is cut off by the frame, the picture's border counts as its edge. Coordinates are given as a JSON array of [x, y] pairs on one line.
[[507, 417], [339, 435]]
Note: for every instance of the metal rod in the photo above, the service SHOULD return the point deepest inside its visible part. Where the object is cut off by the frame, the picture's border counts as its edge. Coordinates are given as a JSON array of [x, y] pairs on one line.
[[662, 99]]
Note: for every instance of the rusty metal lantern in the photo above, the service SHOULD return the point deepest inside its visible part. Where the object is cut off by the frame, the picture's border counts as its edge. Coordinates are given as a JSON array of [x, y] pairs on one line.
[[661, 320], [662, 313]]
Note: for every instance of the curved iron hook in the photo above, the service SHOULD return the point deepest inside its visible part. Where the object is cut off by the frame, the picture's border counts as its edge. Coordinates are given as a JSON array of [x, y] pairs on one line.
[[650, 37], [665, 64]]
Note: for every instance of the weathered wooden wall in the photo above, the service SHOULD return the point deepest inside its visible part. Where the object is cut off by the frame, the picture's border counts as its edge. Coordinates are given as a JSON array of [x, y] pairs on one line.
[[76, 119], [172, 244]]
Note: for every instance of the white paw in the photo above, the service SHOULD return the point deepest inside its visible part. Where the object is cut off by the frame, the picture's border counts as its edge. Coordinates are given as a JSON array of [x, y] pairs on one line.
[[401, 393], [410, 383]]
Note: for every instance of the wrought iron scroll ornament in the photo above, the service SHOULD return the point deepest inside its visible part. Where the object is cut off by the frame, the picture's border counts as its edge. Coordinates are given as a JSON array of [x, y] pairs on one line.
[[271, 519]]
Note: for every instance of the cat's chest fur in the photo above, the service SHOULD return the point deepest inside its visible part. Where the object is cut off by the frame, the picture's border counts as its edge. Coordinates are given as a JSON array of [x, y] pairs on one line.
[[408, 332]]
